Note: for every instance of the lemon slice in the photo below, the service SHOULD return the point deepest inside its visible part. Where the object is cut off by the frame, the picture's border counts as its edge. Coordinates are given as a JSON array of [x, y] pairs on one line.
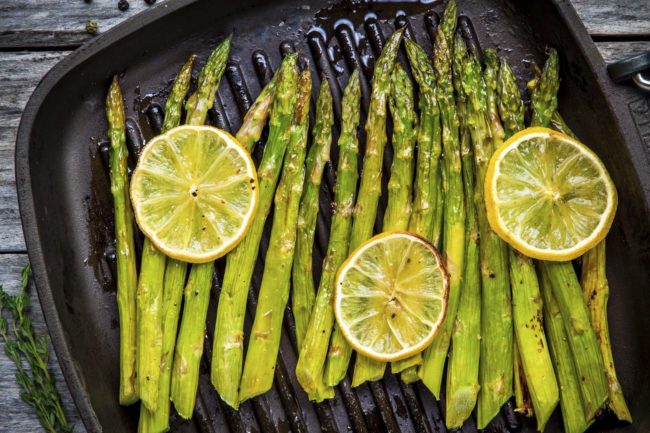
[[194, 192], [391, 296], [548, 195]]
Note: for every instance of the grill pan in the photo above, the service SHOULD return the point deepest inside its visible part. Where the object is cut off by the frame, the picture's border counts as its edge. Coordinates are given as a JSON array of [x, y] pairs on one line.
[[66, 207]]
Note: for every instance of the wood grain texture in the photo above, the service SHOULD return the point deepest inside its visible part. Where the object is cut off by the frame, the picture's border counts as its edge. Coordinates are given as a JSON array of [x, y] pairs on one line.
[[20, 72], [615, 18], [15, 414], [57, 24], [615, 51], [26, 23]]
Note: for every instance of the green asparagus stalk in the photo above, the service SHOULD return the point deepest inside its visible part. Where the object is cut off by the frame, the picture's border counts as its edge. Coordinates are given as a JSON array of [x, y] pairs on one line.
[[526, 299], [303, 293], [454, 212], [150, 333], [463, 364], [313, 350], [523, 404], [400, 185], [581, 336], [365, 211], [595, 289], [189, 347], [439, 207], [201, 101], [366, 368], [449, 21], [448, 26], [543, 91], [227, 349], [428, 143], [127, 276], [573, 415], [531, 338], [496, 373], [427, 178], [566, 289], [262, 353], [174, 278], [256, 116]]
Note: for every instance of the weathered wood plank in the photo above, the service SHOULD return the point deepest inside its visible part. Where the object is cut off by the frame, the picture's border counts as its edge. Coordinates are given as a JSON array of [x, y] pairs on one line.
[[16, 415], [615, 51], [62, 23], [618, 18], [26, 23], [19, 75]]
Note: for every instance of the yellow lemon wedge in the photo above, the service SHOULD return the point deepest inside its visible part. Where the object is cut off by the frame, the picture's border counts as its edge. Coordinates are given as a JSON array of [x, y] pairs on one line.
[[391, 296], [194, 192], [548, 195]]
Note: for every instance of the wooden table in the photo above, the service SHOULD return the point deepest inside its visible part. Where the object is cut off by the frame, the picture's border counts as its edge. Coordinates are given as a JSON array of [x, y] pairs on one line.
[[35, 35]]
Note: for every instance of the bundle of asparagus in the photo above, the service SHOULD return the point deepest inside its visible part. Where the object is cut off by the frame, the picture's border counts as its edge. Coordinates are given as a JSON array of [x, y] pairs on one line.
[[466, 110]]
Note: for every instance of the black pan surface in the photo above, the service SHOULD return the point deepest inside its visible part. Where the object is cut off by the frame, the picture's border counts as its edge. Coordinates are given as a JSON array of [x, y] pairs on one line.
[[66, 207]]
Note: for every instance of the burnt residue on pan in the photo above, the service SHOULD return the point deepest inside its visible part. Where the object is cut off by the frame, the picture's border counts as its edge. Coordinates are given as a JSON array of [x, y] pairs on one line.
[[334, 38]]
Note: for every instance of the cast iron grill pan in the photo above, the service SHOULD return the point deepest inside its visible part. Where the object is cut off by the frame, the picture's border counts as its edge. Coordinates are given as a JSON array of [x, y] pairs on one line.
[[73, 205]]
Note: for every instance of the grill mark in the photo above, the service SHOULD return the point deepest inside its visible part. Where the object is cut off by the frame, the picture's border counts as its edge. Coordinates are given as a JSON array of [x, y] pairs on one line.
[[238, 86], [414, 408], [352, 57], [155, 114], [466, 30], [397, 402], [430, 408], [431, 22]]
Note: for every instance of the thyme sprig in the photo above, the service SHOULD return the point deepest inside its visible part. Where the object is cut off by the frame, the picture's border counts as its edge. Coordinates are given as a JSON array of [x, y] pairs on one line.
[[29, 353]]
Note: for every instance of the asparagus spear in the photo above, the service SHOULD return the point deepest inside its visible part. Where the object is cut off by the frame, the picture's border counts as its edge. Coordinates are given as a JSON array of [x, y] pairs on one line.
[[573, 415], [257, 377], [365, 211], [127, 277], [526, 300], [313, 350], [448, 26], [227, 351], [174, 278], [581, 336], [189, 347], [428, 143], [496, 369], [201, 101], [596, 292], [427, 179], [150, 333], [400, 185], [463, 366], [256, 116], [150, 284], [566, 289], [454, 213], [303, 293], [523, 404]]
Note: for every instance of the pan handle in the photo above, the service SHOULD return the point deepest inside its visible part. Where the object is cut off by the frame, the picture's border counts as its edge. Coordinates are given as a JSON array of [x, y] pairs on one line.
[[632, 68]]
